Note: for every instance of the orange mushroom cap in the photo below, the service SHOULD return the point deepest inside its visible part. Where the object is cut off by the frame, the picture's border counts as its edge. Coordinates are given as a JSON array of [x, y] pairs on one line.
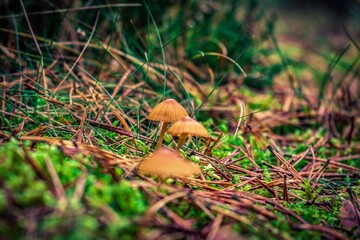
[[190, 126], [165, 163], [167, 111]]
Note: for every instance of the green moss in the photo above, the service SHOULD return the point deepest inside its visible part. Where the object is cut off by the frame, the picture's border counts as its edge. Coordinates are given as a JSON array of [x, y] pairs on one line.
[[80, 218]]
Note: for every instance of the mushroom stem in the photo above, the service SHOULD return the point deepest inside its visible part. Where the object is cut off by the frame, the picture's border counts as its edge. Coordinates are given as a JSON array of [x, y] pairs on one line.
[[181, 140], [162, 134]]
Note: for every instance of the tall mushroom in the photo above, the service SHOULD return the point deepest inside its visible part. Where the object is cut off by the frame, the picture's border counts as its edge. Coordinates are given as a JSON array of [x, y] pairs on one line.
[[165, 162], [187, 127], [165, 112]]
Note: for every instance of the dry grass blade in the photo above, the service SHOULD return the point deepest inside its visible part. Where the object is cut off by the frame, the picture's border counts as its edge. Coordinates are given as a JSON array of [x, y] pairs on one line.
[[215, 227], [157, 206], [328, 232], [285, 190], [267, 188], [95, 7], [287, 165], [242, 113], [106, 158], [121, 119], [38, 170], [80, 186], [231, 214], [59, 189], [80, 55]]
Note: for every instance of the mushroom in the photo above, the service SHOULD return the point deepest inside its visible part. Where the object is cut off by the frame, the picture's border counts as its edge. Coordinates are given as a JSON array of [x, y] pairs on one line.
[[165, 162], [187, 126], [165, 112]]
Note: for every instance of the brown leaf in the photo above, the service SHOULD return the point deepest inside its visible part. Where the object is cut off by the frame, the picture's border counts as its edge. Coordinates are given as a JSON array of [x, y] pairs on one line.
[[349, 216]]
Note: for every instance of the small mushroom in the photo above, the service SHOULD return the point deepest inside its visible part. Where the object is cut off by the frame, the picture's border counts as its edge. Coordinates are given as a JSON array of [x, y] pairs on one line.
[[165, 162], [166, 111], [187, 127]]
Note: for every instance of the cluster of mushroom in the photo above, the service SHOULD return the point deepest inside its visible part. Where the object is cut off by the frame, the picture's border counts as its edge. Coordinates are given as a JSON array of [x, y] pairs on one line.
[[166, 162]]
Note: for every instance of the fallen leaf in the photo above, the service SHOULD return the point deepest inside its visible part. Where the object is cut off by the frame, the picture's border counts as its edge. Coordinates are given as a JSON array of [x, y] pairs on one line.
[[349, 216]]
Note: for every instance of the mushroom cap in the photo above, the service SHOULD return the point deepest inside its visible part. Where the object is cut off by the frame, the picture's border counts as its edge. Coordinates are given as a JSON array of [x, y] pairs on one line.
[[168, 110], [165, 163], [190, 126]]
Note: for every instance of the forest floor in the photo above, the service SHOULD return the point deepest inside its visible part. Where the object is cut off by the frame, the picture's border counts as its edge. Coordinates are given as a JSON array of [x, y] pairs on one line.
[[278, 93]]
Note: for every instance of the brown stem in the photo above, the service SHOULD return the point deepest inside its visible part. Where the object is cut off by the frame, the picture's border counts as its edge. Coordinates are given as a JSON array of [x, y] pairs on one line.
[[181, 140], [162, 134]]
